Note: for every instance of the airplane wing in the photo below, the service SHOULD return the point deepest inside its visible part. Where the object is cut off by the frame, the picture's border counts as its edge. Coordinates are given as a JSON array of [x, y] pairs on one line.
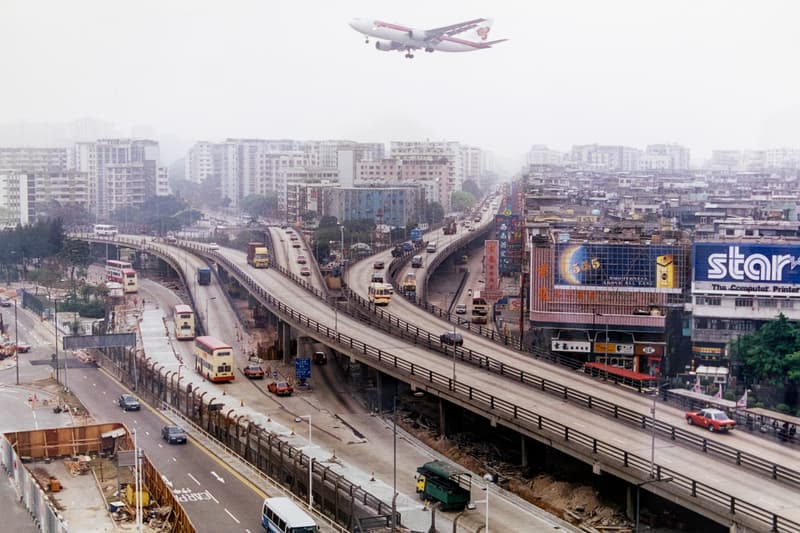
[[454, 28]]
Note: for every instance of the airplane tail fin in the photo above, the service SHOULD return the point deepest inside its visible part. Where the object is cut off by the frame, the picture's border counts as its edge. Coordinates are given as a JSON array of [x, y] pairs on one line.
[[480, 34]]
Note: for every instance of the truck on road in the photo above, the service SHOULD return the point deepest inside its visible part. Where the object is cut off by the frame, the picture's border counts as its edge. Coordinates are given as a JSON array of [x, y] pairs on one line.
[[441, 482], [257, 255], [449, 226], [204, 276]]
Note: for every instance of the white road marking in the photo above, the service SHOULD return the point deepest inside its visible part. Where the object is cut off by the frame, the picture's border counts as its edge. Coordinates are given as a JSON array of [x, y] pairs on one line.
[[160, 445], [234, 518], [147, 433], [193, 478], [174, 460], [211, 495], [217, 476]]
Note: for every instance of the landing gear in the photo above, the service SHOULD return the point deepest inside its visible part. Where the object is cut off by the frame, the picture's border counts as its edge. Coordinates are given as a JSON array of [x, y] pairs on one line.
[[409, 55], [366, 40], [429, 49]]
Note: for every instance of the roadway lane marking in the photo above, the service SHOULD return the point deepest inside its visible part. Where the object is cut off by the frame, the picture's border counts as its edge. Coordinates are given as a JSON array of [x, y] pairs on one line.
[[234, 518], [217, 476], [193, 479], [174, 460], [211, 496]]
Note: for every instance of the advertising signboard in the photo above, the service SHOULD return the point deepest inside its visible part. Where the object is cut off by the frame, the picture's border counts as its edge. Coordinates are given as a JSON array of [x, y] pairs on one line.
[[613, 347], [570, 346], [623, 267], [737, 268], [509, 233], [491, 255]]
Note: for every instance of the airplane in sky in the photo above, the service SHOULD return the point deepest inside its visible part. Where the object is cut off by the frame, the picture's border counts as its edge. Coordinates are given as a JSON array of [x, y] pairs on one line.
[[462, 37]]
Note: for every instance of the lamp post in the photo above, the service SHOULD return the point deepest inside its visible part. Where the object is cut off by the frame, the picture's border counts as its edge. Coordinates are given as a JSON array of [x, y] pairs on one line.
[[310, 491], [488, 479], [341, 243], [55, 323], [639, 486], [16, 339], [206, 315]]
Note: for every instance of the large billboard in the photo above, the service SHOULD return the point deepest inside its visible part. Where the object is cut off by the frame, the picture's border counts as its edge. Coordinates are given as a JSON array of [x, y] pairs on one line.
[[622, 267], [736, 268], [509, 229]]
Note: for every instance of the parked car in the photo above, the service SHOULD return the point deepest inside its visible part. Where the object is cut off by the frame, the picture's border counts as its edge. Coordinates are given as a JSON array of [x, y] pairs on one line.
[[452, 338], [280, 388], [129, 402], [377, 265], [301, 260], [305, 271], [712, 419], [461, 309], [173, 434], [254, 371]]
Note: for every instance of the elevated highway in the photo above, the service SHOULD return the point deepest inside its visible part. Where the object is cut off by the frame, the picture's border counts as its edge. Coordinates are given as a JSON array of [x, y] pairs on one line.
[[723, 492]]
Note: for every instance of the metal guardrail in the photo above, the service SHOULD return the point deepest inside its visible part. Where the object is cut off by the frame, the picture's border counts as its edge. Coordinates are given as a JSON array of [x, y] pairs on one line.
[[511, 413]]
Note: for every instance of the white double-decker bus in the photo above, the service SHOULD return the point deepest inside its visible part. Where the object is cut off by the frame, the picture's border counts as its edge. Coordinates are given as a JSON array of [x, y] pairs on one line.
[[105, 230]]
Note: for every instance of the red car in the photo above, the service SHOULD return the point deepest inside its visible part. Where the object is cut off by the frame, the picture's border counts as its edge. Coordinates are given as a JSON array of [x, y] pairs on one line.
[[712, 419], [254, 371], [280, 388]]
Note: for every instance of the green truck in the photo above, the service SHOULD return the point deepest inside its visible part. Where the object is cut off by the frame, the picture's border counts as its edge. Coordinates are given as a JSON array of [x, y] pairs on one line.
[[438, 481]]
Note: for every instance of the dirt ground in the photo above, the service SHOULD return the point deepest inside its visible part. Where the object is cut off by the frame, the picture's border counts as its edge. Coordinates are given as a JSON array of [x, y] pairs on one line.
[[573, 502]]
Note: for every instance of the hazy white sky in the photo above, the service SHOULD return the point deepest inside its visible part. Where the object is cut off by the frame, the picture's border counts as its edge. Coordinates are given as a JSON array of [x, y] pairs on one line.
[[707, 74]]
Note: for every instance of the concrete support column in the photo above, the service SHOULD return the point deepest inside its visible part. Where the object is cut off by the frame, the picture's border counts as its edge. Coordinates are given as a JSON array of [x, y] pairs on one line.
[[379, 387], [442, 418], [523, 451], [630, 502]]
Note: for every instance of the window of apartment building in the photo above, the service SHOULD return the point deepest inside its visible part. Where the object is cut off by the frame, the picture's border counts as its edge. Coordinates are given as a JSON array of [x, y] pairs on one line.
[[708, 300], [766, 303], [787, 304], [744, 302]]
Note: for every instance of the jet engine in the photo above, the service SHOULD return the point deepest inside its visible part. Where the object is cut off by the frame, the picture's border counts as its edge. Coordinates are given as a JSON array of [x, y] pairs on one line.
[[418, 35], [386, 46]]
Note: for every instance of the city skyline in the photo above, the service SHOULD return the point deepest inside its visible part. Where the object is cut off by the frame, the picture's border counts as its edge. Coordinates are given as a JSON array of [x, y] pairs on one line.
[[705, 76]]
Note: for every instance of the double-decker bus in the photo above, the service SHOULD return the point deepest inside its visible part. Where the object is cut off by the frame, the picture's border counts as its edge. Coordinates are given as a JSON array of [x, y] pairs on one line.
[[213, 359], [105, 230], [379, 293], [281, 515], [183, 316], [122, 272], [480, 308]]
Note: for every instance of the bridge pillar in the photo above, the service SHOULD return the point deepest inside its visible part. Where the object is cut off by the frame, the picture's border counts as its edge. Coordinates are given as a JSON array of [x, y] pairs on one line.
[[442, 418], [523, 451], [630, 511]]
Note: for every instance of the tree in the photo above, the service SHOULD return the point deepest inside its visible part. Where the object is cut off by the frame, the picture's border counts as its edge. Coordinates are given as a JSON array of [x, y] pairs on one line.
[[328, 221], [309, 217], [76, 257], [462, 201], [259, 205], [434, 213], [471, 187]]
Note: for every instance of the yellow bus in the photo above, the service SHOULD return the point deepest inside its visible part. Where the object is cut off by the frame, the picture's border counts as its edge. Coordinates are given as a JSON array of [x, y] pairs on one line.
[[213, 359], [122, 272], [379, 293], [183, 316]]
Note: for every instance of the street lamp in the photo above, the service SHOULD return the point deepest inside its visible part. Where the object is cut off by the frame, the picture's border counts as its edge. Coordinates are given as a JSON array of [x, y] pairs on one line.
[[488, 478], [310, 492], [641, 484], [206, 316], [16, 339], [341, 244]]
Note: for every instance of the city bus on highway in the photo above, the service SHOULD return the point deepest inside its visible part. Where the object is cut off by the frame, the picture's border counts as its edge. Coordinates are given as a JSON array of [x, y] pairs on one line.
[[213, 359], [105, 230], [379, 293], [281, 515], [122, 272], [183, 316], [479, 308]]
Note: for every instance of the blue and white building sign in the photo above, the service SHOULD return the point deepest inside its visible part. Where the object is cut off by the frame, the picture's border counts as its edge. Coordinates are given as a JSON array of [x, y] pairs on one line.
[[302, 368], [737, 268]]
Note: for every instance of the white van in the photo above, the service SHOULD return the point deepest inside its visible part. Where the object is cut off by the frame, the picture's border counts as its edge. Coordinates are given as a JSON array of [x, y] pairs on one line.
[[431, 247]]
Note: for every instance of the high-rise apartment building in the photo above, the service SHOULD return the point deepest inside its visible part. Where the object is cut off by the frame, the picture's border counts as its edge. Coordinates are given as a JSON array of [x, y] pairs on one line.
[[121, 172], [15, 202], [599, 157], [25, 158]]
